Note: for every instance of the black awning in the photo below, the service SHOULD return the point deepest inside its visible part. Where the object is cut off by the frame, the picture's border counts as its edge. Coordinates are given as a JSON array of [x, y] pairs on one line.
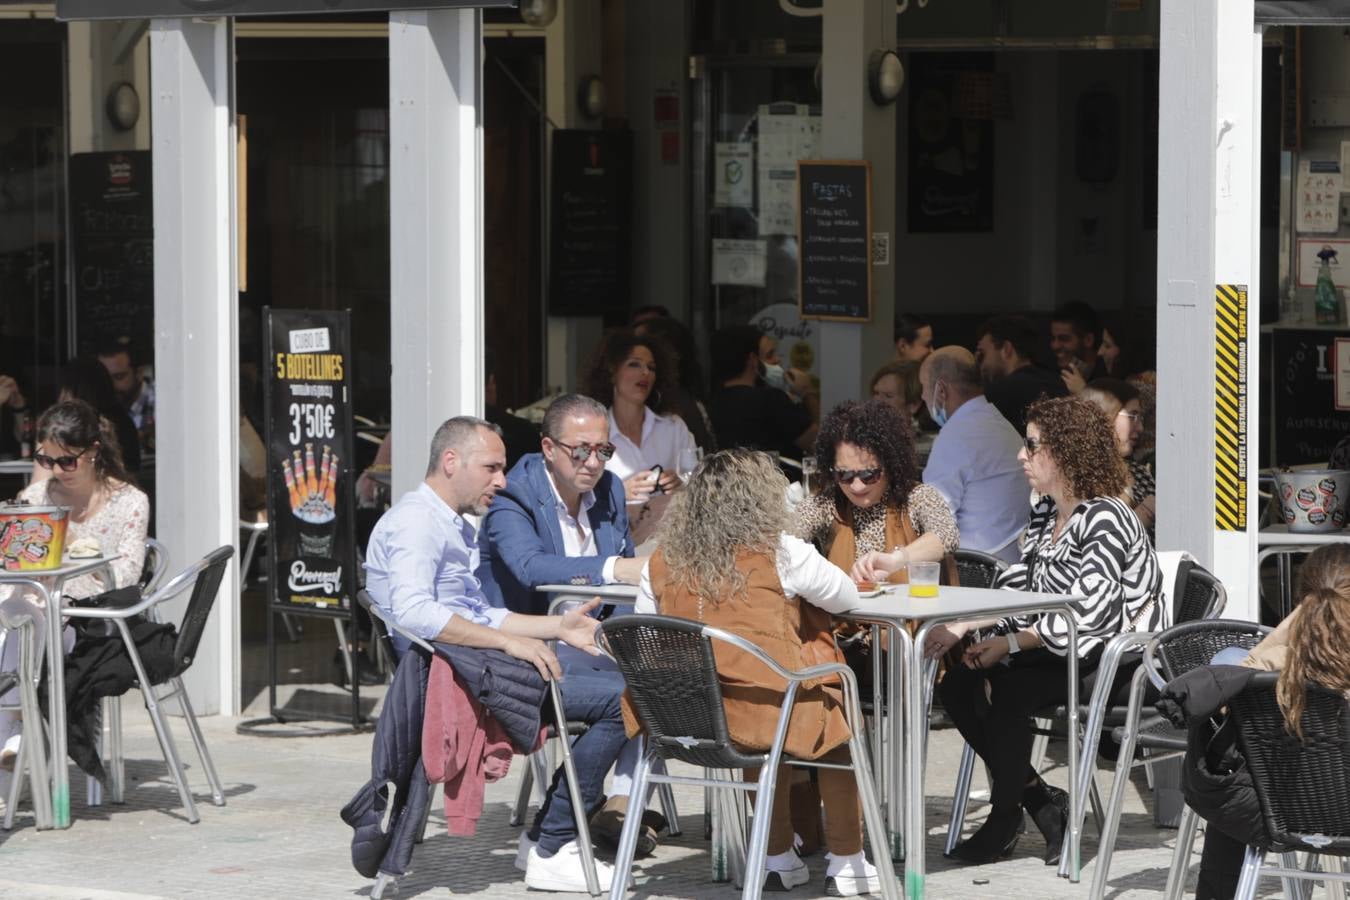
[[74, 10], [1303, 12]]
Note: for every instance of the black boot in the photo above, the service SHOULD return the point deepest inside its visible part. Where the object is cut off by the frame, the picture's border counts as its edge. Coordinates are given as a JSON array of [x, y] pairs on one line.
[[1049, 809], [994, 840]]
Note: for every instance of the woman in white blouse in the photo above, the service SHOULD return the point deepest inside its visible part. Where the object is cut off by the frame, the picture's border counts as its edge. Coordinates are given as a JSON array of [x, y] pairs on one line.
[[78, 454], [635, 376]]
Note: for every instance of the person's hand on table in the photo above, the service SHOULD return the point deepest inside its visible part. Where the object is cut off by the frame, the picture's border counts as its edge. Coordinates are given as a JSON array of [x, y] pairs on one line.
[[942, 638], [638, 487], [535, 652], [876, 565], [985, 653], [577, 628]]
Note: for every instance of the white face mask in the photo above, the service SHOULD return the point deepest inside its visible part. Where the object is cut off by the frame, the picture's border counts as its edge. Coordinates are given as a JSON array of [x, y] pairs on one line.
[[775, 377]]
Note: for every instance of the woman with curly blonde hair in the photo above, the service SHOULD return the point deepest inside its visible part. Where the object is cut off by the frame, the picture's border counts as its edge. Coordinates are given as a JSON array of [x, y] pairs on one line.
[[1082, 541], [727, 560]]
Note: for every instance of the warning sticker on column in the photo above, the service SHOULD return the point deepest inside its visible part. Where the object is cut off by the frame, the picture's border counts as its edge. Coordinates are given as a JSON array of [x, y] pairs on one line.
[[1230, 407]]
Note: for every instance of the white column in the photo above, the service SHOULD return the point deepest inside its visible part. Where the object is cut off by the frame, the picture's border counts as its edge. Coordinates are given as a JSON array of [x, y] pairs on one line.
[[436, 228], [1208, 228], [196, 356], [853, 127], [1237, 257]]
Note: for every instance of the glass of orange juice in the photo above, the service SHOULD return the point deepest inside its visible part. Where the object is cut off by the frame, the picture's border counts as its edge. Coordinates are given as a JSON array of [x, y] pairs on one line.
[[923, 579]]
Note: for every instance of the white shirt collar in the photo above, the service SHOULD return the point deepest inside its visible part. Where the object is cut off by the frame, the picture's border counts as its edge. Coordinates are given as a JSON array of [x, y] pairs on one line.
[[587, 499], [649, 420]]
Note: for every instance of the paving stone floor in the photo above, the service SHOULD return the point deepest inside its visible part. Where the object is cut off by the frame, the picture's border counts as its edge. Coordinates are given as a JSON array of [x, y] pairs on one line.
[[279, 836]]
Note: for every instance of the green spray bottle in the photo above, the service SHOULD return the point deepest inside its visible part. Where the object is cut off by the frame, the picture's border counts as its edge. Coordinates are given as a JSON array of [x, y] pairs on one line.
[[1327, 303]]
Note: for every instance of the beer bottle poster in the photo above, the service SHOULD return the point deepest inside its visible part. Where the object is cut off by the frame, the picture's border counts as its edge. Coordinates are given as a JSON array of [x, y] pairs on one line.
[[310, 501]]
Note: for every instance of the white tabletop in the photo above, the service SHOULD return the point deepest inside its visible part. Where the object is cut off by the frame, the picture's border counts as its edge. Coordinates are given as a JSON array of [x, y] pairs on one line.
[[952, 602], [611, 591], [69, 568], [1280, 535]]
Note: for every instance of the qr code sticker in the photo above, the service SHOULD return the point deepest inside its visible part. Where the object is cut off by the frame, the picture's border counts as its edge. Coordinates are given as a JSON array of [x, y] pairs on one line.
[[881, 248]]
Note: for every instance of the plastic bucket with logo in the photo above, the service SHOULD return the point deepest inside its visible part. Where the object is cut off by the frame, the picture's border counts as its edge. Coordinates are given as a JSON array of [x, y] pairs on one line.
[[32, 537], [1314, 500]]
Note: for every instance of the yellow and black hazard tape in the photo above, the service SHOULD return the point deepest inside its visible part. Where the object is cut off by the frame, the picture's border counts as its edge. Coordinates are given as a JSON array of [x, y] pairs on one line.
[[1230, 407]]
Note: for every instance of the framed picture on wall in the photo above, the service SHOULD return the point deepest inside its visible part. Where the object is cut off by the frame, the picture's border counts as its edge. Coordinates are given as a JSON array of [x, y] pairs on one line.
[[951, 142]]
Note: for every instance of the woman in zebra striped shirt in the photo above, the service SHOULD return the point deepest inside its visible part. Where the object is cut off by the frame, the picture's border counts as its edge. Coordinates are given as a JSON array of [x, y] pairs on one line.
[[1083, 540]]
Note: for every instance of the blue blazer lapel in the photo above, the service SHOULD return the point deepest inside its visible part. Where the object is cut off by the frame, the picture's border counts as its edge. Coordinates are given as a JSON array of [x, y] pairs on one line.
[[542, 494]]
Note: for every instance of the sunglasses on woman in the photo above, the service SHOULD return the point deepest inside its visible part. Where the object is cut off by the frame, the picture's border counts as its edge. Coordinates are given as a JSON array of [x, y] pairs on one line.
[[866, 476], [64, 463], [1032, 445], [582, 452]]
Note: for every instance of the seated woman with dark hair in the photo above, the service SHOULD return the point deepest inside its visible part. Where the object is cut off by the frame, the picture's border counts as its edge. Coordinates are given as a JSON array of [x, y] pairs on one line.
[[1123, 407], [871, 499], [1082, 541], [726, 560]]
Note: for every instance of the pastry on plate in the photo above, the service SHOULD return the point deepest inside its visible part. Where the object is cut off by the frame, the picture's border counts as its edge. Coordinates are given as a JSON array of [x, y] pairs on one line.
[[84, 548]]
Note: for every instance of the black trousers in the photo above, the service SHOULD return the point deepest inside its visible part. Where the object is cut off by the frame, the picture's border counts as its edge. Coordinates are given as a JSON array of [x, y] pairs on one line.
[[1220, 865], [993, 708]]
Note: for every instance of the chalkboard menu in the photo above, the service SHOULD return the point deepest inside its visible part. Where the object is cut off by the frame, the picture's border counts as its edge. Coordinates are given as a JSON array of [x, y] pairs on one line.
[[310, 502], [1307, 425], [834, 236], [113, 250], [590, 213]]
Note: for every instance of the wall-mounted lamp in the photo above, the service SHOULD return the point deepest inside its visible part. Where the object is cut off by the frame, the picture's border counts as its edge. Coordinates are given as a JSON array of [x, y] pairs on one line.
[[885, 76], [591, 97], [539, 13], [123, 106]]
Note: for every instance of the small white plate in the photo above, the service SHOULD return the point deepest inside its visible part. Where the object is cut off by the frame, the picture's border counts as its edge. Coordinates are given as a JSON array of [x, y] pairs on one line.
[[882, 589]]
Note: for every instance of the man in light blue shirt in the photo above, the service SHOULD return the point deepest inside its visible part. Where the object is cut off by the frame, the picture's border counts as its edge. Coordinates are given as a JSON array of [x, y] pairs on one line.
[[420, 568], [974, 459]]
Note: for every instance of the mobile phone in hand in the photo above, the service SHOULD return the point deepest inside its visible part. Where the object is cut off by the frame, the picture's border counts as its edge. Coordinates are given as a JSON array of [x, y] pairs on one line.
[[656, 483]]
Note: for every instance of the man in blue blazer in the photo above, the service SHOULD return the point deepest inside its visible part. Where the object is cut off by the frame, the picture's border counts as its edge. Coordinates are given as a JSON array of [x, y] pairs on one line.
[[561, 517], [561, 520]]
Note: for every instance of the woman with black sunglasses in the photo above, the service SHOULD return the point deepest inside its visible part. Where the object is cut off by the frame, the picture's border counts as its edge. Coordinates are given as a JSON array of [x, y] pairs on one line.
[[871, 499], [1083, 541], [78, 464]]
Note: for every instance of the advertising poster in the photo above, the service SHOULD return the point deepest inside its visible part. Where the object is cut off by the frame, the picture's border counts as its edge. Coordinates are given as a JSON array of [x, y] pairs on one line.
[[310, 502]]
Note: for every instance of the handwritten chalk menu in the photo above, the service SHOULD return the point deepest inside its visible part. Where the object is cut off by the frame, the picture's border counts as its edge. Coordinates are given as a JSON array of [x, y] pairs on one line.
[[834, 228], [590, 214], [310, 501], [113, 249], [1307, 423]]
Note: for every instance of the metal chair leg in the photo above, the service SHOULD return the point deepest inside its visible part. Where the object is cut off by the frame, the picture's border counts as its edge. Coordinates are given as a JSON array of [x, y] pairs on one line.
[[623, 859], [382, 881], [346, 651], [1181, 855], [166, 744], [1107, 842], [1251, 874], [758, 851], [195, 730], [579, 810], [117, 768], [873, 819], [669, 810], [1294, 888], [960, 797], [523, 795]]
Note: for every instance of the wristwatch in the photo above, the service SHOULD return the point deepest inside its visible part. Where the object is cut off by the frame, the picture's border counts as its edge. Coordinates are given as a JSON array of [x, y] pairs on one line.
[[1013, 646]]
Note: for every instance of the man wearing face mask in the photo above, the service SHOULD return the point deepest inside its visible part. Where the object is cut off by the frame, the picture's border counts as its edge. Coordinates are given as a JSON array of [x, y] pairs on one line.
[[746, 410], [974, 459]]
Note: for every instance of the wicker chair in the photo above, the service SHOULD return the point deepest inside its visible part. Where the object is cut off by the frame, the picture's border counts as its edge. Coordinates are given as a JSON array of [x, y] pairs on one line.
[[579, 811], [672, 679], [977, 568], [204, 578], [1167, 655], [1303, 786]]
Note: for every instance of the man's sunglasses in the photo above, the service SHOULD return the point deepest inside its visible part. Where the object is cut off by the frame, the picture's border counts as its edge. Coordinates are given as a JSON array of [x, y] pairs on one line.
[[64, 463], [582, 452], [866, 476]]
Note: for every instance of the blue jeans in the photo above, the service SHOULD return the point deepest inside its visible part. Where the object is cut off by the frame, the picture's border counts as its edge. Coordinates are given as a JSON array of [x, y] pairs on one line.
[[592, 698]]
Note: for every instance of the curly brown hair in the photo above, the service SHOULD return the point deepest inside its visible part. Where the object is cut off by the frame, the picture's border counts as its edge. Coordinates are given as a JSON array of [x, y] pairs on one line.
[[1083, 445], [876, 427], [613, 350]]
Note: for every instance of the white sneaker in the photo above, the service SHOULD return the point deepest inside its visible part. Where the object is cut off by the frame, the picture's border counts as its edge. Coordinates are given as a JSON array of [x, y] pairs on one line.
[[563, 871], [849, 876], [10, 751], [523, 853], [785, 871]]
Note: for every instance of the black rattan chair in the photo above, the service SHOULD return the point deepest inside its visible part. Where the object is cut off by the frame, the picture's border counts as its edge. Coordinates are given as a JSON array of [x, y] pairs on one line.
[[1303, 786], [671, 672], [204, 578], [977, 568], [1167, 655]]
